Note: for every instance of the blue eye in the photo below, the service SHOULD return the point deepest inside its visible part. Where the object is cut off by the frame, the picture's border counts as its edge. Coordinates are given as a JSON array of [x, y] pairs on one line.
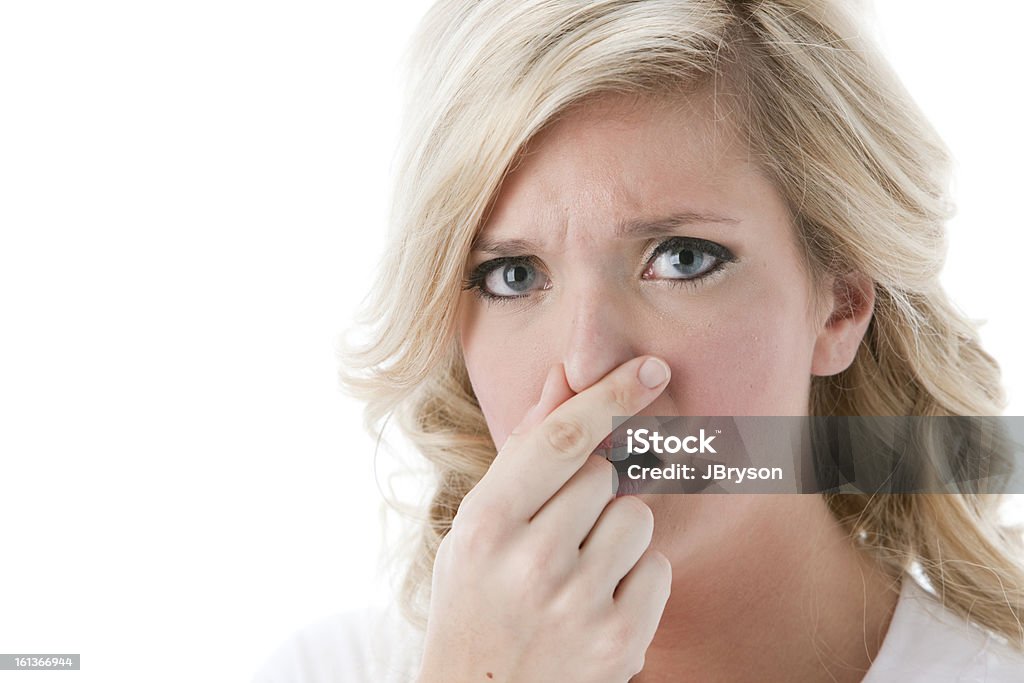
[[687, 258], [504, 279], [679, 260], [516, 277]]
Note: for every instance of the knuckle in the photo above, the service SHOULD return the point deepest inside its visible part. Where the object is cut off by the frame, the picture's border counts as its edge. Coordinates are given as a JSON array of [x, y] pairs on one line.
[[566, 436], [513, 440], [635, 664], [475, 534], [664, 566], [466, 504], [567, 604], [443, 550], [621, 397], [585, 586], [621, 631], [636, 653], [658, 570], [637, 510], [619, 643], [540, 569], [664, 581]]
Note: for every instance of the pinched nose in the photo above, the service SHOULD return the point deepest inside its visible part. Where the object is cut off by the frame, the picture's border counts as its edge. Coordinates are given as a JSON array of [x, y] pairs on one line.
[[596, 335]]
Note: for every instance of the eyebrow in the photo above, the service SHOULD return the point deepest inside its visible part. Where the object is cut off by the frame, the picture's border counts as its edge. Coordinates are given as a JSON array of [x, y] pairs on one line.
[[636, 229]]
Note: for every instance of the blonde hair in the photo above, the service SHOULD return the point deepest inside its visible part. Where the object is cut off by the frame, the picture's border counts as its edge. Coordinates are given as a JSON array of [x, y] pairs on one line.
[[864, 174]]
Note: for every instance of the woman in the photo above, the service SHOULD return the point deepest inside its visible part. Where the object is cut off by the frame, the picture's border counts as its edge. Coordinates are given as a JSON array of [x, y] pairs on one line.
[[673, 207]]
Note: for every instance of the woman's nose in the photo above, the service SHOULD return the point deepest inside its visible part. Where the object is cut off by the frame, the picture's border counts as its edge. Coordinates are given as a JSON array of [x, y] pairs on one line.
[[597, 335]]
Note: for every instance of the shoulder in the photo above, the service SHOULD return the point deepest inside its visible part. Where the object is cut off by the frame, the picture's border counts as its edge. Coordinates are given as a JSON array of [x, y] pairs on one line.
[[928, 642], [366, 644]]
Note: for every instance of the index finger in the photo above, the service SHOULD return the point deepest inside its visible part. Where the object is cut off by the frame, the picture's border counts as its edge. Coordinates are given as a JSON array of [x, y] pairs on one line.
[[533, 465]]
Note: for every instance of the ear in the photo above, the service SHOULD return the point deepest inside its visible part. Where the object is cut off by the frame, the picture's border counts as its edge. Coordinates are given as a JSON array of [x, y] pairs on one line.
[[851, 305]]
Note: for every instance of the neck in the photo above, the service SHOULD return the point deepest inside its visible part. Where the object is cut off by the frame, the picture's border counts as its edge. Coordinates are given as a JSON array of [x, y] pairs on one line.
[[781, 595]]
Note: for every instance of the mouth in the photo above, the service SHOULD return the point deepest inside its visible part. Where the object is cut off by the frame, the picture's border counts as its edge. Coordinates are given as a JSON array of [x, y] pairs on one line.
[[612, 448]]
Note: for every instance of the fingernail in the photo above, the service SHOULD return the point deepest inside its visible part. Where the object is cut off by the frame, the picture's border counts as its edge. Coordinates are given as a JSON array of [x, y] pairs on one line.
[[615, 480], [653, 373]]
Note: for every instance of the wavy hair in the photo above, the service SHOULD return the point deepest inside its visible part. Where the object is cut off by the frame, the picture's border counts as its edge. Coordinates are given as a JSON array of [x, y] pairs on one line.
[[864, 174]]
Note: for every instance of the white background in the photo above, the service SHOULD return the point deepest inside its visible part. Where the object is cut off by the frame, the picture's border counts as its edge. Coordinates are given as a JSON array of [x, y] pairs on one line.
[[192, 198]]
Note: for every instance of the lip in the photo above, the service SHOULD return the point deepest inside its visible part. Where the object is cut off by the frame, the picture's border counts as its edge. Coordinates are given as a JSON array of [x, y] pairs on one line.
[[612, 442], [612, 449]]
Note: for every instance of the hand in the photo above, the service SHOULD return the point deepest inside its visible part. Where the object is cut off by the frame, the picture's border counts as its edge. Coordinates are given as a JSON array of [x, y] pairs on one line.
[[545, 575]]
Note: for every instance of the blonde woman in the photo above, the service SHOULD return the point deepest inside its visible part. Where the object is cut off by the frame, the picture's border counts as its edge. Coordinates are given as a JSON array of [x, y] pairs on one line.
[[668, 207]]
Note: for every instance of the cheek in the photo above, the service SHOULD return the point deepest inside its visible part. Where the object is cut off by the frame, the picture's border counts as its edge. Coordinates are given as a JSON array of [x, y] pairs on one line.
[[502, 397], [502, 377], [750, 356]]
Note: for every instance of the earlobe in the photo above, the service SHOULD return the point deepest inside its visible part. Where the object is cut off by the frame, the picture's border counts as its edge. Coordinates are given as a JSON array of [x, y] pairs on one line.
[[853, 304]]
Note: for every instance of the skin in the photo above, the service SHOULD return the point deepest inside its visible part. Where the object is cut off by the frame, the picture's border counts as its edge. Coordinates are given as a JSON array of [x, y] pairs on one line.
[[764, 587]]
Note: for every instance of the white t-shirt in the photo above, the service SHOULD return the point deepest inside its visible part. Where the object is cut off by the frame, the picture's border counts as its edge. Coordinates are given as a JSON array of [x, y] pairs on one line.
[[925, 643]]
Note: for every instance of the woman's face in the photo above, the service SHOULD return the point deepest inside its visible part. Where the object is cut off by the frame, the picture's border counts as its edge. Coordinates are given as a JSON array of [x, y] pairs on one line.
[[641, 229]]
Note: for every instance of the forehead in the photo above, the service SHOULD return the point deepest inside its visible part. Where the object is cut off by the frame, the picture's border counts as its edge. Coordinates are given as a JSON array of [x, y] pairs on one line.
[[624, 157]]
